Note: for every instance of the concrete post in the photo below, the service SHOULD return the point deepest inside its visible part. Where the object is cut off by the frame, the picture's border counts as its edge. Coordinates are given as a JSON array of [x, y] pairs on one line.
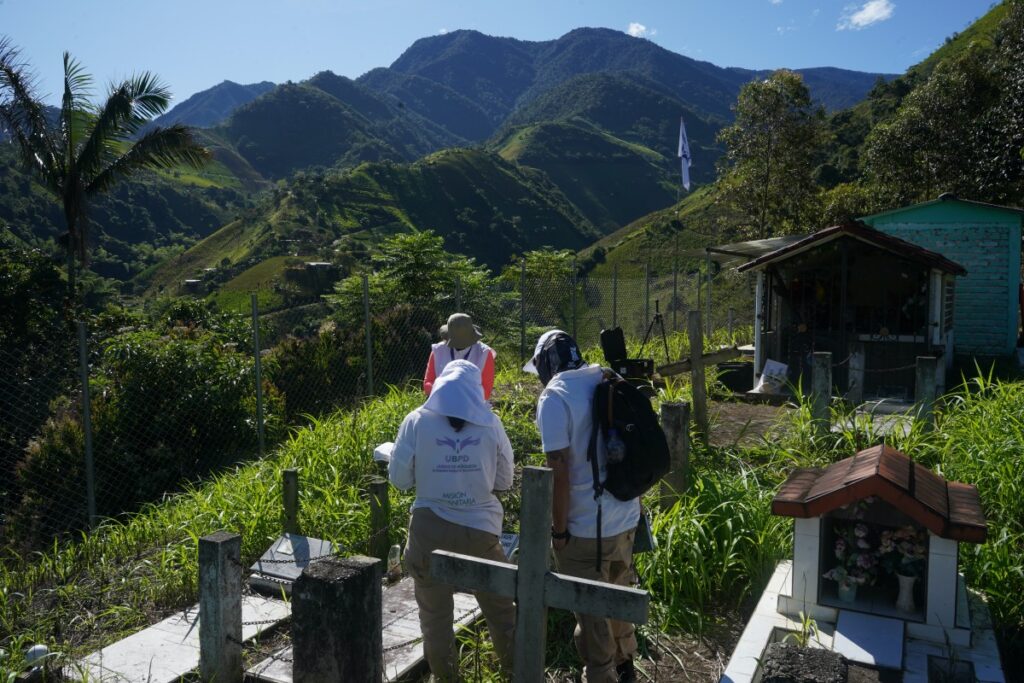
[[534, 544], [220, 607], [336, 621], [821, 391], [380, 516], [90, 469], [675, 420], [697, 382], [290, 498], [924, 390]]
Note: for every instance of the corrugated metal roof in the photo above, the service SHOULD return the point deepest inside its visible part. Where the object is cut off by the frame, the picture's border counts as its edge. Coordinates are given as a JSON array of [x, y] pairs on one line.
[[864, 233]]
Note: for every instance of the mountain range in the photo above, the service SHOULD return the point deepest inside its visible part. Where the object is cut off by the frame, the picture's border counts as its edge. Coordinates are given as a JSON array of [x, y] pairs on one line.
[[581, 132]]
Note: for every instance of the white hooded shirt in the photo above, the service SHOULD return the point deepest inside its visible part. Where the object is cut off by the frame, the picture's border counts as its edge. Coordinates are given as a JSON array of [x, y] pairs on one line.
[[455, 472]]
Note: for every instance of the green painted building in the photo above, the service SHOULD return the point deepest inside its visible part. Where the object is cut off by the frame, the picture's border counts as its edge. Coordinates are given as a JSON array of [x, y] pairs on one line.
[[986, 240]]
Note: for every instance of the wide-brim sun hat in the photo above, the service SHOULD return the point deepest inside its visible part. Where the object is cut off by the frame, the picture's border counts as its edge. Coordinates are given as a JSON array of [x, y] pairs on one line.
[[461, 332], [530, 367]]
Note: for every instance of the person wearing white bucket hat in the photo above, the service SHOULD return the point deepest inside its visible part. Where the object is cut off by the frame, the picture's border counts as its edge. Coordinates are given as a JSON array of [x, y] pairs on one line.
[[456, 453], [460, 340], [584, 527]]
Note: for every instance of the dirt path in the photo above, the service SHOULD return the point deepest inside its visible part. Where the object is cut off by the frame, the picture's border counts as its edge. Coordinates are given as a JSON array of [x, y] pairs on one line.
[[743, 424]]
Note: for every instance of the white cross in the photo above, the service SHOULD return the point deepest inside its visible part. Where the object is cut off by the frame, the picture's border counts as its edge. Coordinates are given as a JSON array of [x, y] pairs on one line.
[[532, 585]]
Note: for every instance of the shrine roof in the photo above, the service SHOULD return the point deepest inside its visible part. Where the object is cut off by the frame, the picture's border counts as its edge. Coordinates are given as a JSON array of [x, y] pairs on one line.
[[946, 508]]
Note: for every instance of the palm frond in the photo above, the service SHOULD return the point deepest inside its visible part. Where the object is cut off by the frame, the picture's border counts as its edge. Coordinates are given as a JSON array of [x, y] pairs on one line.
[[22, 113], [159, 148], [74, 109], [129, 106]]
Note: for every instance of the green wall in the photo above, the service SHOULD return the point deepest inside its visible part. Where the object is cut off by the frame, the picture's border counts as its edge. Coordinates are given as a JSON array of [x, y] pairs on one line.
[[985, 240]]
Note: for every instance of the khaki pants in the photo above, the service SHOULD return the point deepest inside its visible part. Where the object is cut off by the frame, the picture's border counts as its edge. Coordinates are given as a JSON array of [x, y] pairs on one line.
[[602, 643], [427, 533]]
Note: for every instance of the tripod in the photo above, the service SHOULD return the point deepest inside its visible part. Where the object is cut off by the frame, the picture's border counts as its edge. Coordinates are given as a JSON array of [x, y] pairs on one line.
[[658, 320]]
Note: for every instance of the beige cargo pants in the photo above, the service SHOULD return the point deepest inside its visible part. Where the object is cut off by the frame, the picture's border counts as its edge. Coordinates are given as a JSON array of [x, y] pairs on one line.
[[602, 643], [427, 533]]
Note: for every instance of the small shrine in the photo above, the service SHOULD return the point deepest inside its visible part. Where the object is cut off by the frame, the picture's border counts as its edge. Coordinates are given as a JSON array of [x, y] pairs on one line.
[[875, 551]]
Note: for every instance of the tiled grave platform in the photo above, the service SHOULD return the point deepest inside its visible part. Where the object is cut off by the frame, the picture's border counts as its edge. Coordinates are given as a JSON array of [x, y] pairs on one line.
[[403, 649], [169, 649], [864, 638]]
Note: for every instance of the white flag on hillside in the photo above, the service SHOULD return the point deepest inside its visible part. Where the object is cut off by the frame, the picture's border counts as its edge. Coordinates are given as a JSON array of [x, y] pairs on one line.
[[684, 154]]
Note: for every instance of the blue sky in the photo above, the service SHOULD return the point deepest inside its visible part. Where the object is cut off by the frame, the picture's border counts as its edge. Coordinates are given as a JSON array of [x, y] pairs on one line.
[[195, 44]]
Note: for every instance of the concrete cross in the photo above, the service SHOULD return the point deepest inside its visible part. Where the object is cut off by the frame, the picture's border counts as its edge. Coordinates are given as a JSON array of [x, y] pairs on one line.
[[532, 585]]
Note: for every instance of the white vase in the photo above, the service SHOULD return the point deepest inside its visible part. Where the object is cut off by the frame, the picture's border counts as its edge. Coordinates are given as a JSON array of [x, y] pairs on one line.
[[905, 601]]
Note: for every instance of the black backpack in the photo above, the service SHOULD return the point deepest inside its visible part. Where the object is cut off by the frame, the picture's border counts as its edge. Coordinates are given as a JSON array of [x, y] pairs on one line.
[[620, 406]]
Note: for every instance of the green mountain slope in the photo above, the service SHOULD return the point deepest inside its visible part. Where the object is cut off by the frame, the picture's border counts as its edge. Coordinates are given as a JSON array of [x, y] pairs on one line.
[[140, 223], [211, 106], [481, 204], [611, 181], [631, 109]]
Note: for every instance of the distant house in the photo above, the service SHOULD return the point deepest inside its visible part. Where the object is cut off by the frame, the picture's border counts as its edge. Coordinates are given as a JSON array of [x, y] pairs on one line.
[[874, 301], [986, 240]]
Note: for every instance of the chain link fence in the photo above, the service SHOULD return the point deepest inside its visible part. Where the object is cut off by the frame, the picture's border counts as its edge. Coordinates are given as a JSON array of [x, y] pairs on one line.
[[167, 408]]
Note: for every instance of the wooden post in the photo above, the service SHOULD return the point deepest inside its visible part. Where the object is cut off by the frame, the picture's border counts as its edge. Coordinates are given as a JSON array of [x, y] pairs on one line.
[[821, 391], [220, 607], [675, 420], [532, 585], [534, 542], [380, 517], [697, 386], [336, 621], [290, 497], [924, 390]]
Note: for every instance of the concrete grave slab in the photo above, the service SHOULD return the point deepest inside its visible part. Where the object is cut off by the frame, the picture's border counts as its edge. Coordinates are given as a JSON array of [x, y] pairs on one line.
[[869, 639]]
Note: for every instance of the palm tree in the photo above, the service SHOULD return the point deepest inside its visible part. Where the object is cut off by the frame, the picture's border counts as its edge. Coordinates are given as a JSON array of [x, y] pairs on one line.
[[89, 148]]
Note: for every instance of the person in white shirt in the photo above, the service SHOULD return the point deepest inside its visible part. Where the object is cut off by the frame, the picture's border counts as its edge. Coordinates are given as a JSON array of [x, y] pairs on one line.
[[454, 450], [565, 420]]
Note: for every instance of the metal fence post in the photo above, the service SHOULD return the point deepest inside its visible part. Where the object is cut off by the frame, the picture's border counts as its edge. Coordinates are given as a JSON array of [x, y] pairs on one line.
[[732, 318], [369, 336], [575, 284], [90, 471], [647, 294], [707, 261], [675, 295], [522, 311], [615, 295], [458, 293], [821, 391], [258, 370]]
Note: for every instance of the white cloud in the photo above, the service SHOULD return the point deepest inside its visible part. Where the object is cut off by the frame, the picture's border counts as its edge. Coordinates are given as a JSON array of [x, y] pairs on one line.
[[775, 2], [638, 30], [442, 31], [783, 30], [857, 17]]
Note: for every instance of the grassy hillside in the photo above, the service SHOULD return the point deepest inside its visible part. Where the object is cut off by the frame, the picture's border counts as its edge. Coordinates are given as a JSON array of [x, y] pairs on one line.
[[611, 181], [481, 204], [632, 109], [211, 106]]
